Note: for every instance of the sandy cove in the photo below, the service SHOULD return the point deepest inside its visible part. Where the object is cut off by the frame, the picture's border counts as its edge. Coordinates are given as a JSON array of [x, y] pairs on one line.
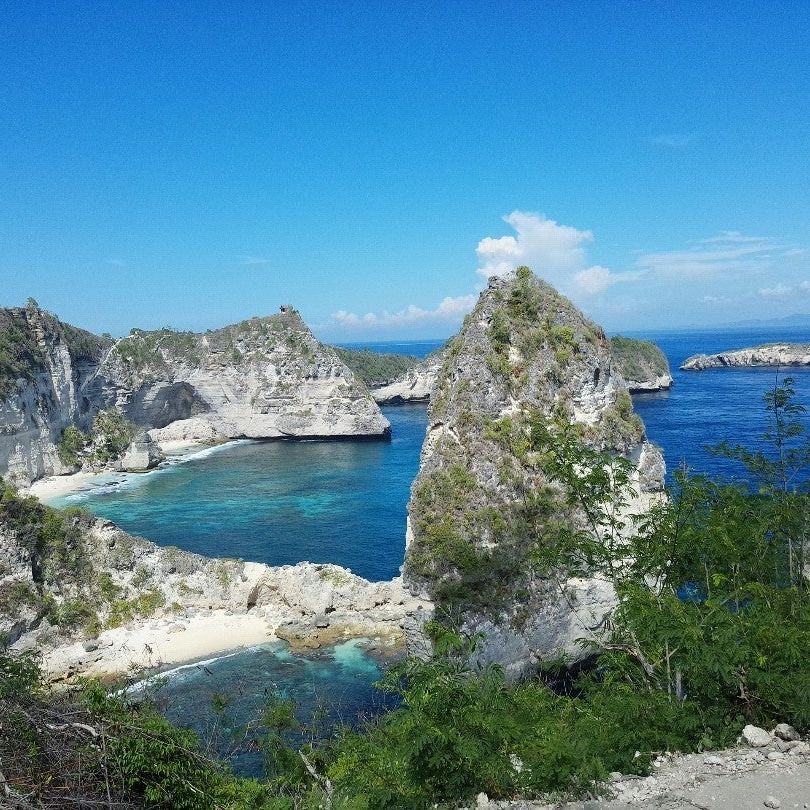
[[53, 487], [152, 644]]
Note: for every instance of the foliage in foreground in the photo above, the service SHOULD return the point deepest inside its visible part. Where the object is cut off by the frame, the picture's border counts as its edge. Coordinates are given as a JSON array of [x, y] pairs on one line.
[[712, 631]]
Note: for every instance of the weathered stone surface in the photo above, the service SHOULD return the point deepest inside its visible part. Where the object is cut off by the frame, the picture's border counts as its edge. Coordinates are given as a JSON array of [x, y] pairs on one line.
[[322, 601], [143, 454], [415, 385], [262, 378], [523, 351], [784, 731], [775, 354], [59, 389], [756, 737]]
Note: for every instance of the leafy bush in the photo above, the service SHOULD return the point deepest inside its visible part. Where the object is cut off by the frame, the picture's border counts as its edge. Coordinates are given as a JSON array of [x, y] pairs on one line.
[[72, 442]]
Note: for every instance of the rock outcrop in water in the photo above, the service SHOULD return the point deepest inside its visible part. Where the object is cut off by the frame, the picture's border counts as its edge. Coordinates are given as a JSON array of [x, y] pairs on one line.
[[642, 364], [415, 385], [262, 378], [773, 354], [478, 506]]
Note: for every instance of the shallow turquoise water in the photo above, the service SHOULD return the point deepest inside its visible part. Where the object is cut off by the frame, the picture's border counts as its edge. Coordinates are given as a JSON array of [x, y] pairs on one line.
[[329, 688], [342, 502]]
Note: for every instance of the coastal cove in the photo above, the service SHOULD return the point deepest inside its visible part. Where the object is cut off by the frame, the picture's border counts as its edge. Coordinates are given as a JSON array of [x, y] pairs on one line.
[[277, 503], [345, 503]]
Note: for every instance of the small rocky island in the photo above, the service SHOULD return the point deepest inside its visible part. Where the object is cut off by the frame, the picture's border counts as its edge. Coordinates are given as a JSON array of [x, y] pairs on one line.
[[642, 364], [768, 355]]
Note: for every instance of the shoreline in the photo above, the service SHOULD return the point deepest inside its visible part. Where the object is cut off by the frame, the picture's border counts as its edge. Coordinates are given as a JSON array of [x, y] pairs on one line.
[[154, 643], [53, 487]]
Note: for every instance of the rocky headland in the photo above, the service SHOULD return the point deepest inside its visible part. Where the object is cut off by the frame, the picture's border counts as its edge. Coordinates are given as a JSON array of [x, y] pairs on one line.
[[416, 385], [264, 378], [772, 354], [523, 352], [93, 599], [643, 365]]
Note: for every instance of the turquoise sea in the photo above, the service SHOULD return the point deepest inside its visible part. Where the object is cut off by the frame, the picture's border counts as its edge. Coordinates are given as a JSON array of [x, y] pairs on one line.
[[345, 502]]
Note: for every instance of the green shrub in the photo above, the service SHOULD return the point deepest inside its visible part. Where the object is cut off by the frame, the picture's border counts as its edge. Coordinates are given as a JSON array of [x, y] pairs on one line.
[[72, 442], [375, 368]]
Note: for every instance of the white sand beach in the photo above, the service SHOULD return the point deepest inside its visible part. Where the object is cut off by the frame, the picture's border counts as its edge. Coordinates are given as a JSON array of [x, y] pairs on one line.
[[156, 643]]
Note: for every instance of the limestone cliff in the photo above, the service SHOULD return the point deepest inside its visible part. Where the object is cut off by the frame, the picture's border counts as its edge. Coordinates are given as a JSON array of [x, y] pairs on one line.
[[262, 378], [415, 385], [772, 354], [642, 364], [478, 508], [47, 382]]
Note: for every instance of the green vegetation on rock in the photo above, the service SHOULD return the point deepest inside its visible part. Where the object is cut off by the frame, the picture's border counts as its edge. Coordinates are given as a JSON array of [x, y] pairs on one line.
[[145, 350], [375, 368], [108, 439], [25, 334], [638, 360]]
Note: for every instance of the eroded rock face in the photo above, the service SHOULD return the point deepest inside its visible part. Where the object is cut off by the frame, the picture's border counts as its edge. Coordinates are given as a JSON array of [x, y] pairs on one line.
[[480, 503], [53, 386], [263, 378], [776, 354], [143, 454], [416, 385], [98, 576]]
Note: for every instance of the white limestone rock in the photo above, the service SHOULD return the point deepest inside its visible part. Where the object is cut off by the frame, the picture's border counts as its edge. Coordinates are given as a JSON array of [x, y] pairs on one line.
[[524, 349], [143, 454], [415, 385], [774, 354], [756, 737]]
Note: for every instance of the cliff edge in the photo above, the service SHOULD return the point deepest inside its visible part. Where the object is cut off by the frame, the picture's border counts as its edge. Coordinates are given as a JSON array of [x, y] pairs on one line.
[[480, 506], [265, 378]]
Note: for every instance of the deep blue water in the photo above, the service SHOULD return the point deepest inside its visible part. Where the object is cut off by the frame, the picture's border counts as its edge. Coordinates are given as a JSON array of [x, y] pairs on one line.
[[278, 502], [415, 348], [707, 407]]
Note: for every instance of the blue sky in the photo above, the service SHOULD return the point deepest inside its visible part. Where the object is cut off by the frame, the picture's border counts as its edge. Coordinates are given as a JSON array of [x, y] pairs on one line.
[[192, 164]]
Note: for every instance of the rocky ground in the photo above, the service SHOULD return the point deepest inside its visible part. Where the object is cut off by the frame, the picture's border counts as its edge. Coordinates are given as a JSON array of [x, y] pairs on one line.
[[768, 770]]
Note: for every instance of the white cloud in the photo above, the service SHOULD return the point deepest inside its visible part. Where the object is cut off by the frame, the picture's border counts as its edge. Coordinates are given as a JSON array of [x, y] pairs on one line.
[[729, 251], [779, 291], [253, 261], [805, 286], [594, 280], [544, 244], [715, 300], [554, 251], [451, 309]]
